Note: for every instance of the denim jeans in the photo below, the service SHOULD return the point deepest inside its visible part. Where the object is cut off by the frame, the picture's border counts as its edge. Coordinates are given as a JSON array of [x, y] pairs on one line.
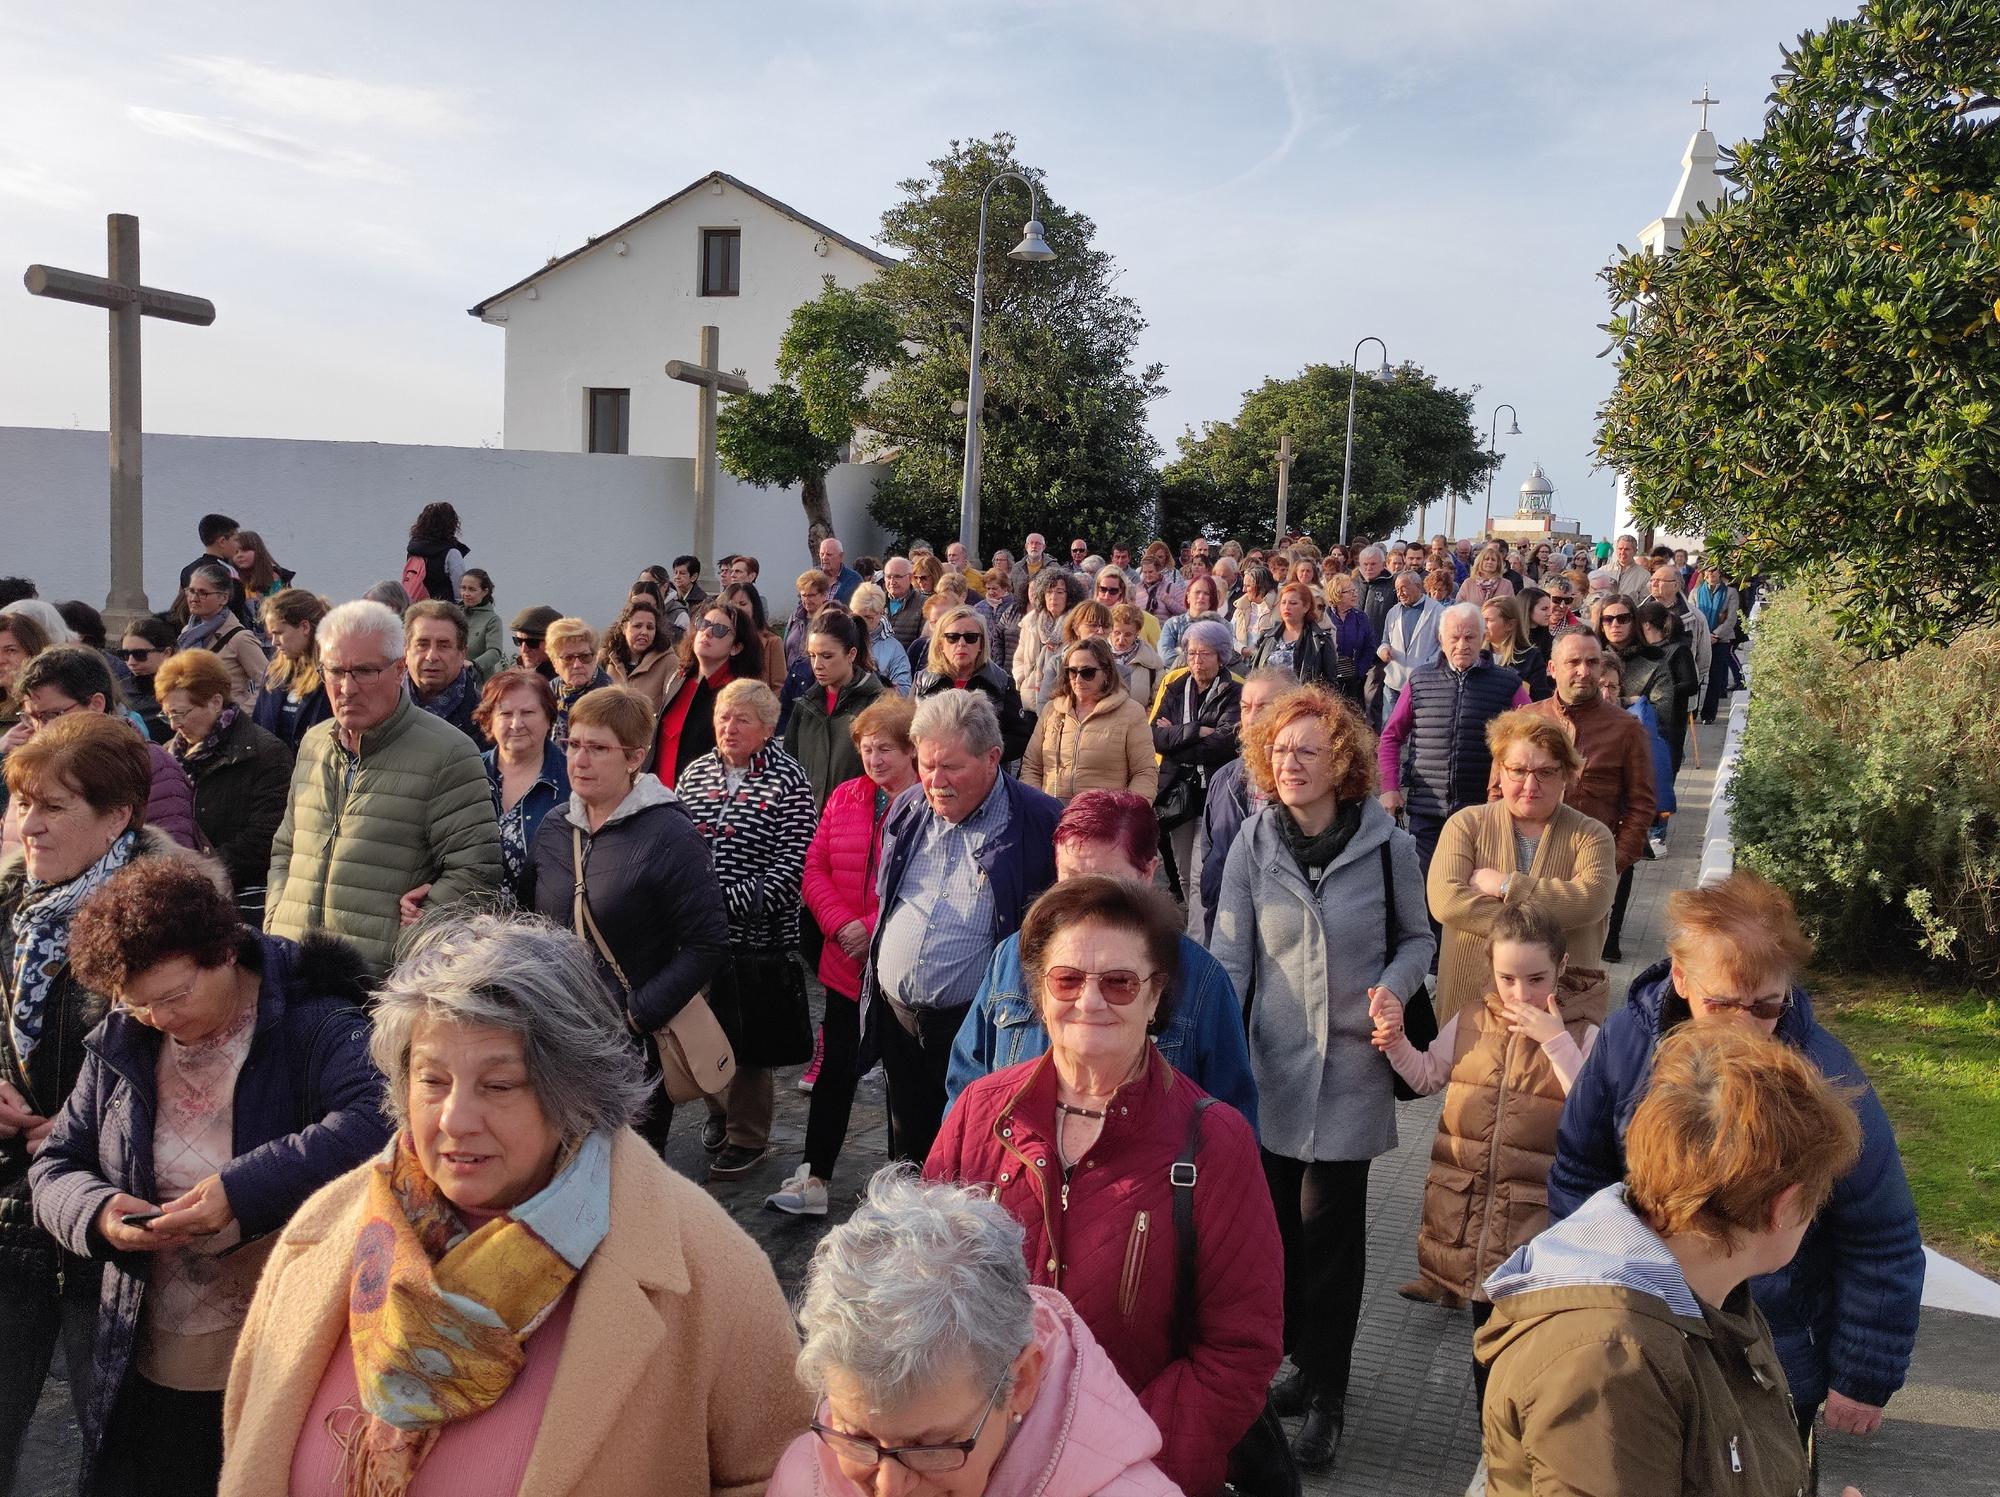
[[33, 1315]]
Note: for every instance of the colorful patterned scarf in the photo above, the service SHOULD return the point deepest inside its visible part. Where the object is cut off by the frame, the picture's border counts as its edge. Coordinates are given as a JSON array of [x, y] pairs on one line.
[[40, 931], [437, 1314], [211, 744]]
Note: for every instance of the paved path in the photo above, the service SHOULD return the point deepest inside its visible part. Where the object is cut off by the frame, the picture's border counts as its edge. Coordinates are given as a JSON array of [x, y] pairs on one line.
[[1411, 1428]]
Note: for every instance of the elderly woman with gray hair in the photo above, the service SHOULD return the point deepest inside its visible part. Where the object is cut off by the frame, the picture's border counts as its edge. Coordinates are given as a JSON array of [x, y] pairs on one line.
[[516, 1294], [1194, 733], [928, 1347]]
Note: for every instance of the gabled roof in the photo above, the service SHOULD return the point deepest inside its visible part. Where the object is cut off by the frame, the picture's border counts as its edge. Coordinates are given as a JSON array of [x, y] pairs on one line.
[[738, 183]]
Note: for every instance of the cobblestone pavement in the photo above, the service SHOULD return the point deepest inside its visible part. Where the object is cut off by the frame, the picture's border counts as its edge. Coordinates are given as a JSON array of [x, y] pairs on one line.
[[1410, 1423]]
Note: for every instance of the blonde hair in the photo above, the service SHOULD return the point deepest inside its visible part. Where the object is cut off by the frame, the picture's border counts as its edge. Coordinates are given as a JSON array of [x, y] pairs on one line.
[[957, 613], [1523, 725], [567, 629], [1741, 928], [625, 712], [753, 694]]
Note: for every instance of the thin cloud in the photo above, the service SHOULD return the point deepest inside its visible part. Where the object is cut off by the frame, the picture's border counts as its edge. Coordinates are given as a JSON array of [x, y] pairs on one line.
[[271, 145], [329, 98], [34, 184]]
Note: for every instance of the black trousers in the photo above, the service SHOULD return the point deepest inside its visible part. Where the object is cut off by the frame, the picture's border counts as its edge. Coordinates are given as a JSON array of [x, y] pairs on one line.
[[916, 1058], [1322, 1208], [1618, 902], [1482, 1311], [832, 1103], [162, 1443]]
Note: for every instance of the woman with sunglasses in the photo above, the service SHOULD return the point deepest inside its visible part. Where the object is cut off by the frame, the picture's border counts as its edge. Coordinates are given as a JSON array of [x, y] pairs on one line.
[[960, 661], [919, 1314], [144, 649], [720, 647], [1080, 1146], [1844, 1310], [1093, 735]]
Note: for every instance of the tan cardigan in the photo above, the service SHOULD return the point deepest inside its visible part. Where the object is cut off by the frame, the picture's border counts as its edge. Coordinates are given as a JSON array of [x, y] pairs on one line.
[[1109, 749], [676, 1373], [1574, 877]]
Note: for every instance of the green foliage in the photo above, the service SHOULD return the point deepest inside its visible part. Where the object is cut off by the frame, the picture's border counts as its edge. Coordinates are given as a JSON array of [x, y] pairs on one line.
[[1870, 789], [1815, 371], [1065, 441], [1414, 444]]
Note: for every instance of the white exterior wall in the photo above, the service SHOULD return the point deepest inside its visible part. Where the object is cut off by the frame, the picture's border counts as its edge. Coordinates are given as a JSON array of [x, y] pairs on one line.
[[569, 529], [610, 320]]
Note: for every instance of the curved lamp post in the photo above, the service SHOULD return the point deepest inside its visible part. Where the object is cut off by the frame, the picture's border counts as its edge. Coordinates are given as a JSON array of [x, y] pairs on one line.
[[1384, 374], [1492, 434], [1032, 249]]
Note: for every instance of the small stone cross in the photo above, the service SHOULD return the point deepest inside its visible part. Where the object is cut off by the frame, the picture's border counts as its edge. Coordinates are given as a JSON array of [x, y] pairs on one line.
[[1704, 101]]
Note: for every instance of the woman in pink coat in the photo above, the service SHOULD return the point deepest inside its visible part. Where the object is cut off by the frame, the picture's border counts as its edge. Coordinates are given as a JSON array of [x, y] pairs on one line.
[[926, 1345]]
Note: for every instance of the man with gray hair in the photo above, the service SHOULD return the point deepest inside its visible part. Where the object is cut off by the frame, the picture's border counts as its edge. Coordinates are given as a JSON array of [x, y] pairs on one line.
[[1378, 595], [965, 851], [1409, 638], [390, 809]]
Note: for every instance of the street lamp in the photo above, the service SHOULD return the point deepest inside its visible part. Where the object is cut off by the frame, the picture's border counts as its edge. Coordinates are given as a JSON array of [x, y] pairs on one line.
[[1384, 374], [1032, 249], [1492, 432]]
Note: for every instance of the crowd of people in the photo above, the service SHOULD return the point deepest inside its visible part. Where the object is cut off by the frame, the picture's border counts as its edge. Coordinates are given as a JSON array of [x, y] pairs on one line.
[[359, 955]]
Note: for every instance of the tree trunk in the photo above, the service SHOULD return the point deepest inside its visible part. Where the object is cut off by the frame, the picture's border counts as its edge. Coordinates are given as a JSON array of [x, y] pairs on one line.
[[819, 517]]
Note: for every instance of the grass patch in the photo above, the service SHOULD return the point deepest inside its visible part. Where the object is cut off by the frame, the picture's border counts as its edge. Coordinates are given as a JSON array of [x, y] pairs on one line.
[[1935, 1060]]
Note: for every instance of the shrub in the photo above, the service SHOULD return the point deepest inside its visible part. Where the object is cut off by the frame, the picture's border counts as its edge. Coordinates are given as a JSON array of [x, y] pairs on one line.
[[1871, 791]]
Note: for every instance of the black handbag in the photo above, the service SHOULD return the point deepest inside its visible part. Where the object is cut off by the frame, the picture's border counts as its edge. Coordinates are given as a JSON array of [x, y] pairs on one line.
[[1261, 1464], [764, 1002], [1178, 804], [1420, 1020]]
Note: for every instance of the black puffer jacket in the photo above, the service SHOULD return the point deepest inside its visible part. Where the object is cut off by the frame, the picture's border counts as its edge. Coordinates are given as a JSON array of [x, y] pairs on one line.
[[652, 891], [239, 799], [1017, 723], [1315, 657], [26, 1251], [1177, 737]]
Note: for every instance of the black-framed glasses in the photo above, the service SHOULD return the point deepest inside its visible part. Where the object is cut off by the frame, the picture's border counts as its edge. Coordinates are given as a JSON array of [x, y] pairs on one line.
[[146, 654], [859, 1450], [1614, 618], [523, 641], [1083, 672], [360, 675], [967, 637], [40, 720]]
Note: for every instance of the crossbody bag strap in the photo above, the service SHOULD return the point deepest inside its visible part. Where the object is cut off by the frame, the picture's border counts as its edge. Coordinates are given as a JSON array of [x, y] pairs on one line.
[[581, 918], [1182, 1175], [1390, 924]]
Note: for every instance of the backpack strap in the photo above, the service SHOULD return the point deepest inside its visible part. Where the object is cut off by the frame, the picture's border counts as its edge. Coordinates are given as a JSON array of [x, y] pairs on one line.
[[1182, 1174]]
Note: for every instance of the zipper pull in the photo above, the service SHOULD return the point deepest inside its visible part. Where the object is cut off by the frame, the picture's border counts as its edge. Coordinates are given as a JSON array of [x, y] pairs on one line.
[[1735, 1457], [1065, 1195]]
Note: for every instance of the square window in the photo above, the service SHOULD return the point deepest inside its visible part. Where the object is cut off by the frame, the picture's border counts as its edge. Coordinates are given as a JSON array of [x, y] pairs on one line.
[[610, 414], [721, 262]]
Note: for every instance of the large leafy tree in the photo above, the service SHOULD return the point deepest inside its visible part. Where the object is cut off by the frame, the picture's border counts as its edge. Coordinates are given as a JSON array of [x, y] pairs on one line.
[[1064, 437], [794, 432], [1813, 379], [1414, 444]]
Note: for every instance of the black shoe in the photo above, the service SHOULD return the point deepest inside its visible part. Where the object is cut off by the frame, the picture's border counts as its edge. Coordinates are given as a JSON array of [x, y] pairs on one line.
[[736, 1161], [1292, 1397], [1612, 953], [714, 1134], [1316, 1443]]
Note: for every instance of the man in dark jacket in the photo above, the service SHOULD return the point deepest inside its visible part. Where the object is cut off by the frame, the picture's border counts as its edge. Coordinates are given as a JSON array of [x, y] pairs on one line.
[[1378, 596], [1844, 1312], [218, 547], [443, 680], [965, 852], [1231, 799]]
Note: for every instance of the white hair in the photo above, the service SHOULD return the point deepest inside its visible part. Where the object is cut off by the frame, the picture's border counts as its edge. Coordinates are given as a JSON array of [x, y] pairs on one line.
[[42, 613], [361, 622], [965, 715], [925, 1283], [1465, 613], [1377, 552]]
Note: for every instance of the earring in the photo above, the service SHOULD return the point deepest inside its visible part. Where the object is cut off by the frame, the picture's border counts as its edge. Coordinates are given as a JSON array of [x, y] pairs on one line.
[[1017, 1418]]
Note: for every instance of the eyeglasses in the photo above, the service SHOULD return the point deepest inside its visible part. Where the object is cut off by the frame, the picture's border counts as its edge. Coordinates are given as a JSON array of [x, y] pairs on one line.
[[145, 654], [160, 1002], [1083, 672], [574, 657], [1614, 618], [1548, 775], [360, 675], [1304, 757], [1119, 986], [859, 1450], [525, 642], [716, 628], [203, 592], [39, 720], [1111, 589], [969, 637], [1766, 1009]]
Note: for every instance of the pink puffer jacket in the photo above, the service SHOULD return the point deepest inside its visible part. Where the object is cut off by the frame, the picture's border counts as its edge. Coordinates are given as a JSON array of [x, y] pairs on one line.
[[839, 884], [1084, 1436]]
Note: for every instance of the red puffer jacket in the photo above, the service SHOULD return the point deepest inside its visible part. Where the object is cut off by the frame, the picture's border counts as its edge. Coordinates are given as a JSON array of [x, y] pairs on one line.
[[840, 874], [1106, 1239]]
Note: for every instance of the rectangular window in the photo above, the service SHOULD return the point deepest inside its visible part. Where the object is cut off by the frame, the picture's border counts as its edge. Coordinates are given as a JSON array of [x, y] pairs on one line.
[[721, 262], [610, 420]]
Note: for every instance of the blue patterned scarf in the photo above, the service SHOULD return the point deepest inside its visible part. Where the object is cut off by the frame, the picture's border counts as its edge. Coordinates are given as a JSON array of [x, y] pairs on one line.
[[40, 929]]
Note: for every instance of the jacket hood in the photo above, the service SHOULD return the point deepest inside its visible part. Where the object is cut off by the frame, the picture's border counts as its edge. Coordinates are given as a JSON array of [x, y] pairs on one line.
[[646, 791], [1580, 992], [1604, 1246]]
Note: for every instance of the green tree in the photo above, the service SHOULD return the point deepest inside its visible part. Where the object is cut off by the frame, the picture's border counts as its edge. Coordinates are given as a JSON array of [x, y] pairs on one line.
[[1414, 444], [1812, 378], [1065, 440], [794, 432]]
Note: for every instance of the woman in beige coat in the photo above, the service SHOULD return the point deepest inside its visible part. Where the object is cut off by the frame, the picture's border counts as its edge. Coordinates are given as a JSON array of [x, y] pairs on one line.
[[517, 1295], [1093, 734], [1527, 845]]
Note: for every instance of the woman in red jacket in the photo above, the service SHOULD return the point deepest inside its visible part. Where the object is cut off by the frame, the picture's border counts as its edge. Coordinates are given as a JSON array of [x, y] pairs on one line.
[[1081, 1144], [839, 889]]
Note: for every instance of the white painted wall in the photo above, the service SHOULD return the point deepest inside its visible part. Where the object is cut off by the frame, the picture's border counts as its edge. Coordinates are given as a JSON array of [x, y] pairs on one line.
[[611, 320], [569, 529]]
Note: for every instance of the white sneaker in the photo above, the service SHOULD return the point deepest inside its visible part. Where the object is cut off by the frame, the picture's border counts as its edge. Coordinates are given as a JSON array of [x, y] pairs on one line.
[[1477, 1486], [800, 1195]]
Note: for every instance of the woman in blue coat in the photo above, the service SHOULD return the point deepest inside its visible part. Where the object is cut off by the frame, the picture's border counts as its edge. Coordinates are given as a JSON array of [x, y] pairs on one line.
[[1844, 1311], [230, 1081]]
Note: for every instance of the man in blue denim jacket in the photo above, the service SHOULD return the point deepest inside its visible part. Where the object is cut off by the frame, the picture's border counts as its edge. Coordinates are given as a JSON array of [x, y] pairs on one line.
[[1111, 832]]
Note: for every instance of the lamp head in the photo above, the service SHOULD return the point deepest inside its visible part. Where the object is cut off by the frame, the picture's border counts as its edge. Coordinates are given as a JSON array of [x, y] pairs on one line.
[[1385, 374], [1513, 428], [1032, 247]]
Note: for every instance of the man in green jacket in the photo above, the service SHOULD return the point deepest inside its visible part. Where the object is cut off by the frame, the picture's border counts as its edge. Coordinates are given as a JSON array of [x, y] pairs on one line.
[[390, 809]]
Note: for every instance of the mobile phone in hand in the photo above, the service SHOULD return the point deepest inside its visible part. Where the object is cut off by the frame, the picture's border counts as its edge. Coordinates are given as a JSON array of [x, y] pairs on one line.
[[140, 1218]]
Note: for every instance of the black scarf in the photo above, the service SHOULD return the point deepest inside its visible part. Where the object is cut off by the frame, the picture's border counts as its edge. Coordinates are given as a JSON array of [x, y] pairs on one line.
[[1316, 854]]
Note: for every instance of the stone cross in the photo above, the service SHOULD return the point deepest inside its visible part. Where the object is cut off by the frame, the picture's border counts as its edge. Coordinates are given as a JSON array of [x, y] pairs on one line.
[[1704, 101], [1284, 483], [708, 376], [127, 301]]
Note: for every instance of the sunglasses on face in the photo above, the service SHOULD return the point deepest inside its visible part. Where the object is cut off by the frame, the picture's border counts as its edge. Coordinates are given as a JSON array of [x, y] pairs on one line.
[[716, 628], [1766, 1009], [954, 637], [1120, 986], [1083, 672], [1615, 618], [146, 654], [524, 642]]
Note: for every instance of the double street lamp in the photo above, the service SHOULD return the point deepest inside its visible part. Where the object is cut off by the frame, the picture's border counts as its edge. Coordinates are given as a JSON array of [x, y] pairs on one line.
[[1384, 374], [1032, 249], [1492, 435]]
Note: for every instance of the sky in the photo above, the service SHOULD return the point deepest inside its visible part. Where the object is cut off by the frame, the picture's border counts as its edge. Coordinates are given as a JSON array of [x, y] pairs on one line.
[[1276, 179]]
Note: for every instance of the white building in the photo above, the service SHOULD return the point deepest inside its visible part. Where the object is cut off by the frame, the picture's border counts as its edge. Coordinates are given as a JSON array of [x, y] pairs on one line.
[[1700, 189], [589, 333]]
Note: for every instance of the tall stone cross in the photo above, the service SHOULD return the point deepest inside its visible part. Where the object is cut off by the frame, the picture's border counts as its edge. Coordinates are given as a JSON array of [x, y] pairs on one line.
[[708, 376], [1284, 483], [128, 301]]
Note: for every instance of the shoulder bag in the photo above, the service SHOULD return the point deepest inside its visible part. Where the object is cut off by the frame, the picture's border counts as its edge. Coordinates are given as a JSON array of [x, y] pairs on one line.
[[1262, 1464], [1420, 1024], [696, 1059], [764, 992]]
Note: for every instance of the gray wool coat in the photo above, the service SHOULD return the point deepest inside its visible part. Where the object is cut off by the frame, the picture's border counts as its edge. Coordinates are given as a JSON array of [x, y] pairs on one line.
[[1303, 960]]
